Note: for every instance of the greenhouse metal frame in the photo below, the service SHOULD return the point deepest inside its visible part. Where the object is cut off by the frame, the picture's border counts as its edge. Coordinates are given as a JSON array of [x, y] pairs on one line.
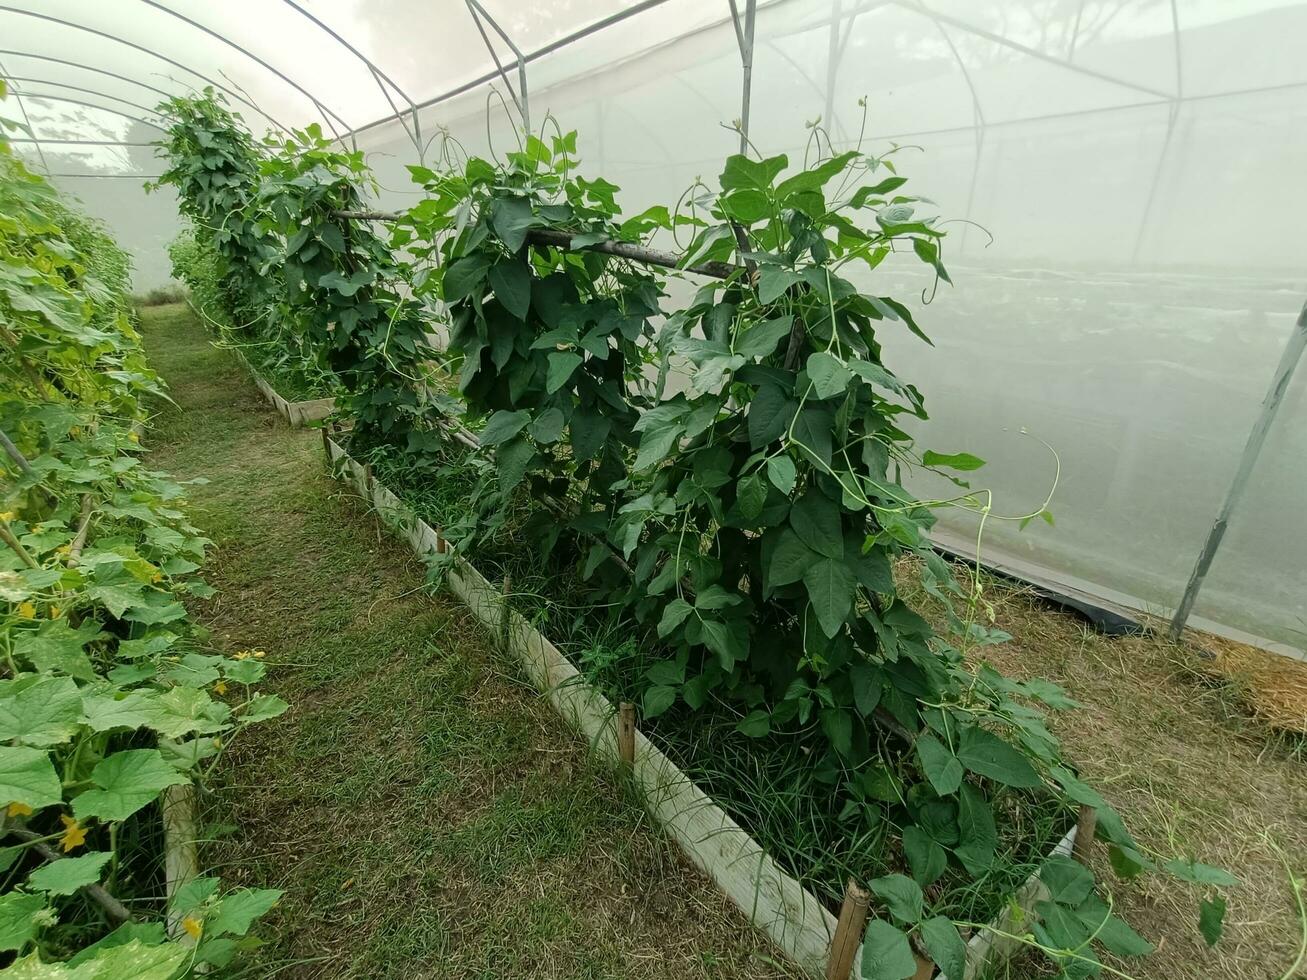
[[1013, 104]]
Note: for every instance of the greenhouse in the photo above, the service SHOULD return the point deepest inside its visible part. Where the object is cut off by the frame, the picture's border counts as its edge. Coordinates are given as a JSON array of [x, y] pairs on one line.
[[660, 489]]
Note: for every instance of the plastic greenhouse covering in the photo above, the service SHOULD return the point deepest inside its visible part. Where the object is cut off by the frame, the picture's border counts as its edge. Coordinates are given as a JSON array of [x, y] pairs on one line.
[[1126, 179]]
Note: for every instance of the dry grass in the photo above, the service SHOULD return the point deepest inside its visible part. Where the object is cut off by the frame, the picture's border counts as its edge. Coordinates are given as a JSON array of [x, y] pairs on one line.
[[1191, 772], [425, 812], [1274, 687]]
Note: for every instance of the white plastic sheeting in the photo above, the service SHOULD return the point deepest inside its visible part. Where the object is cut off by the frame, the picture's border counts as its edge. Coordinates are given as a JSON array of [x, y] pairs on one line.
[[1138, 165]]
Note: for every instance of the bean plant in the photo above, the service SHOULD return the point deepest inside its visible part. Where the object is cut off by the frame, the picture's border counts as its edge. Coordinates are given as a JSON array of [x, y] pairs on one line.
[[213, 164], [553, 342], [756, 514], [231, 256], [342, 293], [107, 698]]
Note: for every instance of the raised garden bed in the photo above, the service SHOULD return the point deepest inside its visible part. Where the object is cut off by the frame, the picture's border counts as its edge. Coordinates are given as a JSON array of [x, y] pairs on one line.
[[296, 413], [795, 919]]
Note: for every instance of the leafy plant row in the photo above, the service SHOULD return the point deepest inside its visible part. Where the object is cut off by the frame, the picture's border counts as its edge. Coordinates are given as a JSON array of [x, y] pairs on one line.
[[266, 237], [108, 698], [225, 255], [729, 472]]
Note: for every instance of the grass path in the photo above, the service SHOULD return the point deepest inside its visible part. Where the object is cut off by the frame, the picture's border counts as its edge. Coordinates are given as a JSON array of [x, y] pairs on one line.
[[425, 813]]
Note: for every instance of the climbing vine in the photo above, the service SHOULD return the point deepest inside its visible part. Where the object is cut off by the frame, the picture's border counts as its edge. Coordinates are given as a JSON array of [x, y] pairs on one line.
[[213, 164], [731, 476], [231, 256]]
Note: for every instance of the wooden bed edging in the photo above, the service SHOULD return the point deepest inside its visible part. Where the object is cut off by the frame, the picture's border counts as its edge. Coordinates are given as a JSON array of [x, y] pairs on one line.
[[296, 413], [773, 901]]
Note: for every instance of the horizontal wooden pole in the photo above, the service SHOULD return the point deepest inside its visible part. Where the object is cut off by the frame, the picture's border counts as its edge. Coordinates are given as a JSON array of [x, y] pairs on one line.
[[563, 239]]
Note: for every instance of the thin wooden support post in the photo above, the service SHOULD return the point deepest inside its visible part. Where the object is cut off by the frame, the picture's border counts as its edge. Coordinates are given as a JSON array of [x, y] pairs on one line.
[[626, 732], [7, 536], [1086, 825], [848, 932], [180, 854], [21, 462], [506, 612], [326, 443], [83, 528], [16, 455], [367, 477]]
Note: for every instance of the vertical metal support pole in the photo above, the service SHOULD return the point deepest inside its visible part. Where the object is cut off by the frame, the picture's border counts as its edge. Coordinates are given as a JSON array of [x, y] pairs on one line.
[[1252, 449], [744, 37], [27, 121], [520, 97]]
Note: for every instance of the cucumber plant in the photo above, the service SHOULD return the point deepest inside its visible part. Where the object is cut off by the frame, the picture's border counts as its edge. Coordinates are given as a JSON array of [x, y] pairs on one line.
[[107, 697]]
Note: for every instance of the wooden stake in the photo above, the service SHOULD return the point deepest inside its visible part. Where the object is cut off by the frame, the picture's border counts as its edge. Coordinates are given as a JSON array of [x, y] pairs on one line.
[[848, 932], [326, 443], [83, 528], [367, 477], [1085, 827], [626, 732], [925, 968], [7, 536], [181, 861], [506, 611]]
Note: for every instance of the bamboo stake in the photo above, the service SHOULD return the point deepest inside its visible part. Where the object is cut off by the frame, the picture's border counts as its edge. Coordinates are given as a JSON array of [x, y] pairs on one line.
[[180, 856], [16, 454], [626, 732], [1086, 825], [848, 932], [83, 529], [23, 465]]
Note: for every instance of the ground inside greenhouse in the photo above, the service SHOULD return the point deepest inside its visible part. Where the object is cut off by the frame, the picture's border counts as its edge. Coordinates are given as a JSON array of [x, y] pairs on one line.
[[428, 816]]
